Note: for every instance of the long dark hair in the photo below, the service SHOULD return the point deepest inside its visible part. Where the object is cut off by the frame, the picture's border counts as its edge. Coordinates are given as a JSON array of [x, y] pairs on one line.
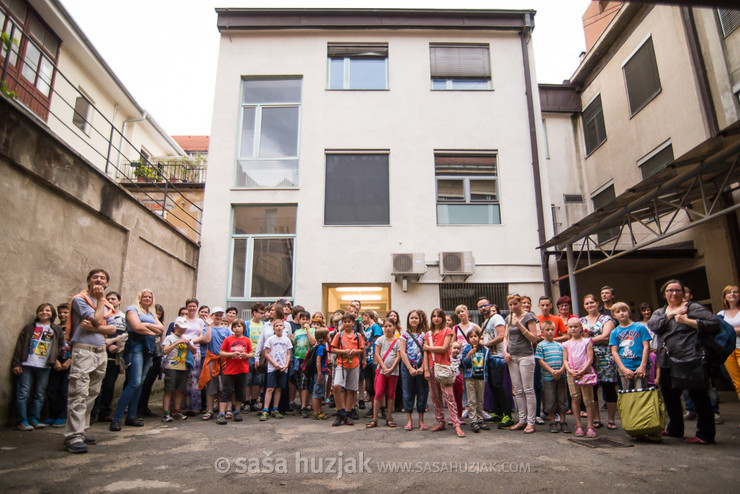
[[53, 311], [437, 312]]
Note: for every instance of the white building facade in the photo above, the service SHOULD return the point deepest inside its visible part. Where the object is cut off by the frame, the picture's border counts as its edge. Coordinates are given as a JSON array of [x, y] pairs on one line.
[[342, 138]]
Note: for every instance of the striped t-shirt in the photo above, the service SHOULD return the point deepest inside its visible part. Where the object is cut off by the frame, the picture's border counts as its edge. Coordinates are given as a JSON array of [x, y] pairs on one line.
[[552, 352]]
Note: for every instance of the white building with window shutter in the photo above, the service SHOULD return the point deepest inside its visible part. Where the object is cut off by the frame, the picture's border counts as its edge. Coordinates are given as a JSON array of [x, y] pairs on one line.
[[343, 137]]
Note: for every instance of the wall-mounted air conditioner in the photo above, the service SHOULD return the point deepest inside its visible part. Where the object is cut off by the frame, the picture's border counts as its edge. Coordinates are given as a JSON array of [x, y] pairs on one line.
[[457, 264], [405, 264]]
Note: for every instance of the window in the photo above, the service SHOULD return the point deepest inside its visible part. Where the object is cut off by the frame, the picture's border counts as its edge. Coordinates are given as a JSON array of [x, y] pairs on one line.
[[356, 189], [81, 116], [600, 200], [547, 144], [262, 252], [268, 138], [463, 67], [594, 128], [730, 20], [467, 189], [656, 160], [358, 66], [641, 76]]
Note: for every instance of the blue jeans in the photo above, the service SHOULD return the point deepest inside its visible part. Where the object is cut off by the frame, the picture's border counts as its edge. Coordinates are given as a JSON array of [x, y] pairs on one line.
[[31, 383], [415, 388], [713, 398], [139, 361]]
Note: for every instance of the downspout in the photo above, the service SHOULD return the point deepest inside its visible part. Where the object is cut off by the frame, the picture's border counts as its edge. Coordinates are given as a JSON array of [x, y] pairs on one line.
[[544, 259], [120, 144]]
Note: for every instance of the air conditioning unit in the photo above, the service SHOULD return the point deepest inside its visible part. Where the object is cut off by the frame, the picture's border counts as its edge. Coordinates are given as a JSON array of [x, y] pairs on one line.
[[409, 264], [456, 263]]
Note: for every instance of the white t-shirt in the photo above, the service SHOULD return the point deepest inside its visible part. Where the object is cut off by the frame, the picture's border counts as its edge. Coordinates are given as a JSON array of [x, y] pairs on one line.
[[489, 333], [194, 329], [177, 358], [382, 344], [38, 350], [279, 347]]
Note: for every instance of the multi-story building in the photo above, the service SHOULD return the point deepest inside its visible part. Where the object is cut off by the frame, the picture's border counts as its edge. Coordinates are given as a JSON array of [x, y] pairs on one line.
[[390, 156], [652, 152]]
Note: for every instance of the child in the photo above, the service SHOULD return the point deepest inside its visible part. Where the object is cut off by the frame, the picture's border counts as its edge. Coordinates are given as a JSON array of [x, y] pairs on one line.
[[322, 370], [303, 340], [475, 356], [349, 346], [386, 362], [277, 353], [372, 332], [56, 390], [175, 348], [236, 350], [549, 354], [630, 345], [37, 349], [415, 386], [210, 376], [255, 378], [437, 348], [578, 355], [458, 387]]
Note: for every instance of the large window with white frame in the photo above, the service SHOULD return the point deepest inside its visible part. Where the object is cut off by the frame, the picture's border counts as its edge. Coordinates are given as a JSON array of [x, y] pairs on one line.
[[456, 66], [641, 76], [467, 188], [269, 133], [262, 252], [358, 66]]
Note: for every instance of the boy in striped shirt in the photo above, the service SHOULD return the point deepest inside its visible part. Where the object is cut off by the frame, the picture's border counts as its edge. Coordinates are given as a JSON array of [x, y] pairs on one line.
[[549, 354]]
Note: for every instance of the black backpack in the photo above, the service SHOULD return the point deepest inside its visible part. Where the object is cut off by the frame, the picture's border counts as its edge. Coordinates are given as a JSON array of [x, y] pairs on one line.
[[309, 363]]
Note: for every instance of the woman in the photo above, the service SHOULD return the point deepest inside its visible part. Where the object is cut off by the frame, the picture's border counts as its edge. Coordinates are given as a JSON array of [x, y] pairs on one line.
[[678, 325], [645, 312], [519, 342], [598, 327], [565, 309], [462, 329], [143, 327], [731, 314], [155, 370], [414, 387], [194, 332]]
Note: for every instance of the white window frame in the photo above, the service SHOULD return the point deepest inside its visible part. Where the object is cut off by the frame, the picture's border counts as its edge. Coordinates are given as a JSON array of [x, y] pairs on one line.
[[347, 67], [466, 185]]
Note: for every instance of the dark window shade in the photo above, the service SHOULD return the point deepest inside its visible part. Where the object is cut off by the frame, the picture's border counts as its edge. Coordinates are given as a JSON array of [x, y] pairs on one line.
[[593, 125], [459, 61], [730, 20], [358, 50], [641, 74], [600, 200], [657, 162], [356, 190]]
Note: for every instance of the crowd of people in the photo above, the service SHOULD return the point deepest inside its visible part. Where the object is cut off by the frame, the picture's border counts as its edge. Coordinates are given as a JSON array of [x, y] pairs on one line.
[[216, 365]]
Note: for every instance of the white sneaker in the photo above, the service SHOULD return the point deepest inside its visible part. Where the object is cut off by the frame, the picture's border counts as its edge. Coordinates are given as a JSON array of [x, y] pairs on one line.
[[465, 414], [486, 415], [718, 419], [557, 417], [538, 420]]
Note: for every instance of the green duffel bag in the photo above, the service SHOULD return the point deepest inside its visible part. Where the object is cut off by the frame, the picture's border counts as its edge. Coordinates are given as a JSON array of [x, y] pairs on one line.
[[642, 411]]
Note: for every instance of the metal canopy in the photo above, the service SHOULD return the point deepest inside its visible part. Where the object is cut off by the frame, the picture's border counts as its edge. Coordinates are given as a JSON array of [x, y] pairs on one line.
[[692, 184]]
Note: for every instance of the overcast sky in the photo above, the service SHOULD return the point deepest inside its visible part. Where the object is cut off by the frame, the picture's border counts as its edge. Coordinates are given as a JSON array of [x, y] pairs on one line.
[[165, 51]]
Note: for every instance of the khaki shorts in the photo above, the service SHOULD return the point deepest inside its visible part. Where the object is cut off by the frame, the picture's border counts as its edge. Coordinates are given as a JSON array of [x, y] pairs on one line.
[[347, 378]]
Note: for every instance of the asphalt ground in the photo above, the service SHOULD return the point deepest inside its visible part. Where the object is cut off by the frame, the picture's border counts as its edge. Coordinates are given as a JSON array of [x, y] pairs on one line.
[[303, 455]]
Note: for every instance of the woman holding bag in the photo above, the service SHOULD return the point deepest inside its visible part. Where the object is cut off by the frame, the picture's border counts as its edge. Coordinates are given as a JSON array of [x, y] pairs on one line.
[[680, 358]]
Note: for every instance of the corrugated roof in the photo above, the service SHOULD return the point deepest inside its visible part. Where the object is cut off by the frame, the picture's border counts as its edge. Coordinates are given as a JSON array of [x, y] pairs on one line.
[[192, 143]]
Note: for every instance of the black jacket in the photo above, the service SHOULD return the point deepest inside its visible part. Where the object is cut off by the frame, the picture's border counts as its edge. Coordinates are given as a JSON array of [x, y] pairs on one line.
[[678, 340], [20, 354]]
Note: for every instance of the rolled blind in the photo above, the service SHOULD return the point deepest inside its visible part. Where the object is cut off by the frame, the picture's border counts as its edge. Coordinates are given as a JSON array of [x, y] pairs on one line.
[[358, 50], [451, 61]]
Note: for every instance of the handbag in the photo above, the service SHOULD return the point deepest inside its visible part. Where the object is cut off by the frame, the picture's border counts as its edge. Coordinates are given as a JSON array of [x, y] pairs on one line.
[[442, 372], [590, 379], [687, 374], [642, 411]]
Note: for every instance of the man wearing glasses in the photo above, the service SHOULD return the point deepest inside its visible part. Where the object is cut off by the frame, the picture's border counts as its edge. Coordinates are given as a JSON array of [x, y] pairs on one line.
[[494, 328]]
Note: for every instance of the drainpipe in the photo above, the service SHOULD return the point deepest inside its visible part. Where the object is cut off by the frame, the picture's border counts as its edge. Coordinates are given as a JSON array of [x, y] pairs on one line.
[[544, 259], [120, 144]]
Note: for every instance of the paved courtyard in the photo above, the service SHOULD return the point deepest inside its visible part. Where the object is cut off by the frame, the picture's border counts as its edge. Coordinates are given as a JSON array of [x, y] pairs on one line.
[[302, 455]]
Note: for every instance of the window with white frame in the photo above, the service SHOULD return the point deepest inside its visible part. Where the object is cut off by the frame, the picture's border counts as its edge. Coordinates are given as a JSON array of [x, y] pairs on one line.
[[82, 113], [356, 189], [467, 189], [594, 129], [460, 66], [641, 76], [656, 160], [358, 66], [269, 133], [262, 252]]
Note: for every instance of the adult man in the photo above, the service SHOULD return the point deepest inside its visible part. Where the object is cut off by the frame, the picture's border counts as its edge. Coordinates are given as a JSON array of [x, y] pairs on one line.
[[494, 329], [86, 329], [607, 299], [102, 408]]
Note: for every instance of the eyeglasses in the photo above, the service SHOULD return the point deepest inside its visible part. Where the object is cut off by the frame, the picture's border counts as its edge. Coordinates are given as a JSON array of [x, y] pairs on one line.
[[674, 290], [483, 306]]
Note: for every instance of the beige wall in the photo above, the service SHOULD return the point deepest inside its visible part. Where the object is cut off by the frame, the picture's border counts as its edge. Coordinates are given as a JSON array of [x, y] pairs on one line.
[[181, 205], [61, 217]]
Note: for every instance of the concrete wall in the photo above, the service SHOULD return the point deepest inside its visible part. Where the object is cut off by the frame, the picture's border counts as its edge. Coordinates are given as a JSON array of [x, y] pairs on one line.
[[181, 204], [60, 217], [411, 121]]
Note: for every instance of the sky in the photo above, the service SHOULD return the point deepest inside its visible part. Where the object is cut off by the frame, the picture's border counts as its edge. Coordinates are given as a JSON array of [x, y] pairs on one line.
[[165, 51]]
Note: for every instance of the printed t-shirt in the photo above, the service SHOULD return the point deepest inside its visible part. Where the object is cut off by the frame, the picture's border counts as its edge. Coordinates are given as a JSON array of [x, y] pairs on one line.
[[38, 350], [254, 330], [371, 335], [560, 327], [177, 358], [552, 353], [413, 350], [439, 340], [477, 361], [383, 344], [490, 333], [628, 341], [236, 344], [279, 347], [354, 341], [301, 344]]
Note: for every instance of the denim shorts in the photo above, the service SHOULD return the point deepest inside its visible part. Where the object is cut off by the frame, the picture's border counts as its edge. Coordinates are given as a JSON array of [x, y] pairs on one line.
[[319, 390], [255, 378], [277, 379]]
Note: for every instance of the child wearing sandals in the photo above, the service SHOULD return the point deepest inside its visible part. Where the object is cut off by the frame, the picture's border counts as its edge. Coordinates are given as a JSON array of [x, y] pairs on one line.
[[387, 358], [414, 386], [578, 355], [437, 348]]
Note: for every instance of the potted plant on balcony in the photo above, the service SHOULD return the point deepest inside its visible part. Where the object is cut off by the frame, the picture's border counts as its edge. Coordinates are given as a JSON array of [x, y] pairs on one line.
[[142, 171]]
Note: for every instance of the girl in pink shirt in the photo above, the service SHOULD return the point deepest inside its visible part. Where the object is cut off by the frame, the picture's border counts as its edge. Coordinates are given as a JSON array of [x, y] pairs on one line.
[[578, 355]]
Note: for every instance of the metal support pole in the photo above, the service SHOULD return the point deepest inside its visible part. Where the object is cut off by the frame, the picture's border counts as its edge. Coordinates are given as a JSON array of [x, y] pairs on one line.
[[110, 145], [574, 301], [164, 201]]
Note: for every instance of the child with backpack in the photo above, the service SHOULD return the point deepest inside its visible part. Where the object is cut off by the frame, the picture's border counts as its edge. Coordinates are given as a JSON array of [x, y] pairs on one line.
[[349, 347], [303, 340], [387, 358], [475, 356], [316, 366]]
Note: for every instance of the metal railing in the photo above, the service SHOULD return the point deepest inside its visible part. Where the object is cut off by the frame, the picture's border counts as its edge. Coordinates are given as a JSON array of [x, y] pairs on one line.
[[100, 135]]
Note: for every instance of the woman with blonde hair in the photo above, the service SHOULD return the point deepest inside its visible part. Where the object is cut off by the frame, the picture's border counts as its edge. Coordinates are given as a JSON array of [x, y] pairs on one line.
[[731, 313]]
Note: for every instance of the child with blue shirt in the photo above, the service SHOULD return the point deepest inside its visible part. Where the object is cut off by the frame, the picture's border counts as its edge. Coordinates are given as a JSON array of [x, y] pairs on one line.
[[630, 346], [210, 377], [322, 370], [549, 354], [475, 372]]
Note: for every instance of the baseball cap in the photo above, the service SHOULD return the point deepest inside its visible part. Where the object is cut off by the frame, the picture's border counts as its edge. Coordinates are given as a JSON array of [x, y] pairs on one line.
[[217, 309], [181, 322]]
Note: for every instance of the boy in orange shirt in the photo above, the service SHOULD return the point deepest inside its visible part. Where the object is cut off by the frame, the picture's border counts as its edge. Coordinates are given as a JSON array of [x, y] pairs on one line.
[[349, 346]]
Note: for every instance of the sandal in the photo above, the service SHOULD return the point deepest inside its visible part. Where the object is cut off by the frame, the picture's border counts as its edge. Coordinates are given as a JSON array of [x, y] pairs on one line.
[[584, 414], [598, 424], [371, 424], [529, 429], [390, 423], [517, 427], [611, 426], [439, 427], [590, 432], [207, 416], [229, 414], [423, 427], [579, 431], [459, 432], [408, 427]]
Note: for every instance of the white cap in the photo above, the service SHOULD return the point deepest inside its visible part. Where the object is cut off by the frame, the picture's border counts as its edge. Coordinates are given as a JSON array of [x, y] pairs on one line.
[[181, 322], [217, 309]]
